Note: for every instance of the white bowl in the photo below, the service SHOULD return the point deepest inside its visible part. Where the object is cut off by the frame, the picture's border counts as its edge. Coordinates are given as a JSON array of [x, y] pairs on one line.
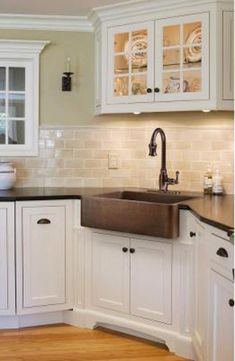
[[7, 179]]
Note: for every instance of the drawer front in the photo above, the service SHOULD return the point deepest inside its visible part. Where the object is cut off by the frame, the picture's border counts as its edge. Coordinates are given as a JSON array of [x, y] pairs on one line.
[[221, 255]]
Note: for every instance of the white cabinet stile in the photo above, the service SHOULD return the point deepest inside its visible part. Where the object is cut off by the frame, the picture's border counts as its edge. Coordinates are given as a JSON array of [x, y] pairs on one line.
[[7, 259]]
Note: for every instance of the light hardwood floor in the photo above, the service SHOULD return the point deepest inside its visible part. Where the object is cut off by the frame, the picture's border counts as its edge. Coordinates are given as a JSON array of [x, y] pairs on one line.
[[67, 343]]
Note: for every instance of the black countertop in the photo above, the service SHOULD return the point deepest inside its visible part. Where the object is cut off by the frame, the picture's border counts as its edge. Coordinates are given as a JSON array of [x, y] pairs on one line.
[[217, 211]]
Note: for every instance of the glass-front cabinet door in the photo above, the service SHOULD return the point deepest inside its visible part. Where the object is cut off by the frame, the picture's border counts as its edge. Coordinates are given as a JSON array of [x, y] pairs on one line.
[[130, 63], [181, 58], [12, 104]]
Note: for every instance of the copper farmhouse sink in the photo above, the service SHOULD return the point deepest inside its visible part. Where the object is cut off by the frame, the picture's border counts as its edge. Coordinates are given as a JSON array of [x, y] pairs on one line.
[[147, 213]]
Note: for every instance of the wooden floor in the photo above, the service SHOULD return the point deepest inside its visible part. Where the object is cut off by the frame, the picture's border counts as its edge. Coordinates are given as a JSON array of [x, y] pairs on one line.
[[67, 343]]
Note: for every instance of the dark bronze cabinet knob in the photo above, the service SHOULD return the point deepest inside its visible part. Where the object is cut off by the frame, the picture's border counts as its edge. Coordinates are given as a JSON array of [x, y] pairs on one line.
[[231, 302], [149, 90], [222, 252], [157, 90], [125, 249], [192, 234], [132, 250]]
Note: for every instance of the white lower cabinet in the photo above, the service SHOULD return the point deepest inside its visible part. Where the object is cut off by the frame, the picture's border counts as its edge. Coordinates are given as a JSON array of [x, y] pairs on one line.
[[43, 256], [7, 259], [221, 319], [151, 264], [132, 276], [110, 272]]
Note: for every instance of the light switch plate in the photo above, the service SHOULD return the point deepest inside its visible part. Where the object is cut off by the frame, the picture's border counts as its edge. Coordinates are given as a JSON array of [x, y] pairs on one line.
[[113, 160]]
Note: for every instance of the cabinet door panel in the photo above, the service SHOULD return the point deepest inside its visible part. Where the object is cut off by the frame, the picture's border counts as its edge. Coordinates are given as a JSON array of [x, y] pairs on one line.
[[228, 55], [7, 263], [43, 256], [151, 280], [221, 338], [182, 54], [130, 64], [110, 272]]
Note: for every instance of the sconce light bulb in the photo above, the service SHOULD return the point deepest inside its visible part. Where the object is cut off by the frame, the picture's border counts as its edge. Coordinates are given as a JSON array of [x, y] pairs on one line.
[[68, 65]]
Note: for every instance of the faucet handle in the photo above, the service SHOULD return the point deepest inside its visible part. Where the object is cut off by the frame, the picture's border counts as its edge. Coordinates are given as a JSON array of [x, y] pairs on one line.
[[177, 177], [172, 181]]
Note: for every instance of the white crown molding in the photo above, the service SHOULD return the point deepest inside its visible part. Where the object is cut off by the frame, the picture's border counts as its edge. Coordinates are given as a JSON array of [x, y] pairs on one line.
[[135, 8], [97, 15], [45, 22], [22, 46]]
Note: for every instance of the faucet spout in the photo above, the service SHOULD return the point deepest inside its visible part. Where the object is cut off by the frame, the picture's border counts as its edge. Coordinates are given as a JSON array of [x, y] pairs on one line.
[[164, 181]]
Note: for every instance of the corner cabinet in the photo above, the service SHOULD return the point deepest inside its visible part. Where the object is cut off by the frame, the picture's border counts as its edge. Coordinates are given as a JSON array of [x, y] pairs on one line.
[[122, 279], [7, 259], [166, 62]]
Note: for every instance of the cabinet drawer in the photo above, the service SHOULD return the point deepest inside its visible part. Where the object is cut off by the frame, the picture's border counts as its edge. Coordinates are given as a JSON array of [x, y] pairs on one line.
[[221, 256]]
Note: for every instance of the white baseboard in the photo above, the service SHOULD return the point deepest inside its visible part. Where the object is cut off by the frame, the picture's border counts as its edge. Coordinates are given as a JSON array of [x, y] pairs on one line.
[[14, 322], [177, 343]]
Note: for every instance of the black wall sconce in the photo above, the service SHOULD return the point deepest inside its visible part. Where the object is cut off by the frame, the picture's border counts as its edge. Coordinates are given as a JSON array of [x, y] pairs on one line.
[[67, 78]]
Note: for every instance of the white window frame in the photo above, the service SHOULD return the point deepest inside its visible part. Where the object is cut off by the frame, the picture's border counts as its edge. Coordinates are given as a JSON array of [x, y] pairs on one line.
[[25, 54]]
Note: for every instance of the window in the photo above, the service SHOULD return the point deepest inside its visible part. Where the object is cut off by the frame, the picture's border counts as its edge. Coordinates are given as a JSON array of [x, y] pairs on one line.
[[19, 84]]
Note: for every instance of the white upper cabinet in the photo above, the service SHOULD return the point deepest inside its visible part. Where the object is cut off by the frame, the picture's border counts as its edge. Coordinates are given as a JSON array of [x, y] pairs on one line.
[[19, 97], [159, 62]]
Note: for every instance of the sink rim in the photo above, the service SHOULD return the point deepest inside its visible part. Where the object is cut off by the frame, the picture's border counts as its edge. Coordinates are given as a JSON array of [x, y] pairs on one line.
[[117, 196]]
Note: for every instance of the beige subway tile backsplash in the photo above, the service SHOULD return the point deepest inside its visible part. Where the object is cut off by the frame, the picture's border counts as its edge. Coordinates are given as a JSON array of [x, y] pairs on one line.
[[78, 156]]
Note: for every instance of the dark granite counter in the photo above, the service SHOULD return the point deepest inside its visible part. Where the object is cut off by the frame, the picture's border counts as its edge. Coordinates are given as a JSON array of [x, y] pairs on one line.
[[217, 211]]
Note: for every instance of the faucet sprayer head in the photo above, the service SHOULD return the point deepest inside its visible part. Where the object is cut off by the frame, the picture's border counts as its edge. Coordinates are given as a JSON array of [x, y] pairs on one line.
[[152, 149]]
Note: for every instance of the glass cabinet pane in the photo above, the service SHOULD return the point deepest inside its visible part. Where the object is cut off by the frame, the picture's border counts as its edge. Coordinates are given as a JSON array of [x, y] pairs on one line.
[[17, 79], [2, 78], [171, 35], [171, 59], [2, 131], [171, 82], [192, 81], [121, 64], [16, 132], [192, 33], [121, 86], [16, 106], [139, 85], [192, 57], [121, 42], [2, 105]]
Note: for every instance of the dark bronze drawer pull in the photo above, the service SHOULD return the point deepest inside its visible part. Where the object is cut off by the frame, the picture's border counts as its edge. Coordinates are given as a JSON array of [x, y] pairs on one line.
[[125, 249], [231, 302], [132, 250], [43, 221], [222, 252]]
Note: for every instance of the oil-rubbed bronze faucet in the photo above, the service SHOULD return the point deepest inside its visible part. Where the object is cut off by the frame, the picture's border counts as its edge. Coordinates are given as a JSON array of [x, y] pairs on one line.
[[164, 181]]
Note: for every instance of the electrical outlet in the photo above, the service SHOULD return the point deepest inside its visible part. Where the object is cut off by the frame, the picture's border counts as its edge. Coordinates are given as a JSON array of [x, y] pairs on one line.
[[113, 160]]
